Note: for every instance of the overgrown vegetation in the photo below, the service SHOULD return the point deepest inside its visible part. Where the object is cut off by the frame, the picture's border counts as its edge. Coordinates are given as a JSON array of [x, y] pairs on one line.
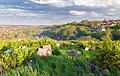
[[80, 30], [97, 53], [109, 54]]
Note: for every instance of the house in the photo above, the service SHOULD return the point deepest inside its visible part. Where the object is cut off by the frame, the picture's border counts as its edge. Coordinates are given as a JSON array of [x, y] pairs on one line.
[[110, 22], [100, 29]]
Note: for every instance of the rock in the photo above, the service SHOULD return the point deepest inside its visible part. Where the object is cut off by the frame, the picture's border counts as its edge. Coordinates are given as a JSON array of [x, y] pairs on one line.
[[106, 72], [49, 52], [72, 43], [45, 51], [1, 69], [9, 50], [31, 63], [47, 47], [58, 45], [42, 52], [20, 47], [73, 53], [95, 69], [94, 48], [86, 49], [36, 37]]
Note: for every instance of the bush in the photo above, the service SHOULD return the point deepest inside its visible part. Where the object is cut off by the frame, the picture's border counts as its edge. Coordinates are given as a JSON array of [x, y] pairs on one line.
[[65, 43], [16, 57], [22, 50], [109, 53]]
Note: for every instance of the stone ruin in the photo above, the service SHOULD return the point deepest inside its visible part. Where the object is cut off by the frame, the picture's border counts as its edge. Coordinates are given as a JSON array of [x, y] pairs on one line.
[[45, 51]]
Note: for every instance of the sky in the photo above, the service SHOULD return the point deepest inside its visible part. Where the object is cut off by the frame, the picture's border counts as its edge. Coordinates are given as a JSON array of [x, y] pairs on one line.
[[50, 12]]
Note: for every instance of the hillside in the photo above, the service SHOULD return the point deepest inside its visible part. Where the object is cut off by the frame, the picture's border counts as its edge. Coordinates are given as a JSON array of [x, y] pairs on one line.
[[84, 29], [8, 32], [75, 49]]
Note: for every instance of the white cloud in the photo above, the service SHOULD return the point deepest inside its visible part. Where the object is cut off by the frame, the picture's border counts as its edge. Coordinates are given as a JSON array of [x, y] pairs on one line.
[[86, 14], [98, 3], [110, 13], [64, 3], [81, 13], [46, 1], [10, 12], [56, 3], [95, 14], [69, 10], [26, 2]]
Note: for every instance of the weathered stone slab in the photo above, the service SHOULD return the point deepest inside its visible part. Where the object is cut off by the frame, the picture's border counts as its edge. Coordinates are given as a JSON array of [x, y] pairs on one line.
[[47, 47], [45, 51]]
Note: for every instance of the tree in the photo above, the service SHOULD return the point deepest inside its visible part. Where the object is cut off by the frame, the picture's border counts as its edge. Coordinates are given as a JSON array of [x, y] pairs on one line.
[[116, 34]]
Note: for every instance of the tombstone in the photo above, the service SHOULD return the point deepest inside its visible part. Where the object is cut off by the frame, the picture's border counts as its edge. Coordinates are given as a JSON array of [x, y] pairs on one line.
[[20, 47], [9, 50], [72, 43], [95, 69], [31, 63], [49, 52], [36, 37], [94, 48], [58, 45], [86, 49], [48, 47], [73, 53], [1, 69], [42, 52], [45, 51]]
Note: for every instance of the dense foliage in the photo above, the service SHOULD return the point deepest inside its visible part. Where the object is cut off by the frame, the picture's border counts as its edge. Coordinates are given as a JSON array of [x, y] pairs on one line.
[[80, 30], [97, 53], [13, 53], [109, 54]]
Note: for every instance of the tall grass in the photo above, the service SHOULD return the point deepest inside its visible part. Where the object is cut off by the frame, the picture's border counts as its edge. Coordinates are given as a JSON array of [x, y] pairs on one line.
[[56, 66], [51, 66]]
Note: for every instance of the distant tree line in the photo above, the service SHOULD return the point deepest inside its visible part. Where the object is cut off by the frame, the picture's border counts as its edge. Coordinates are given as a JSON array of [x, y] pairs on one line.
[[80, 30]]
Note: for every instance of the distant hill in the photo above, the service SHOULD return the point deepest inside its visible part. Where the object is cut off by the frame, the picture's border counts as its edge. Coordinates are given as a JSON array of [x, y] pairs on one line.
[[19, 31]]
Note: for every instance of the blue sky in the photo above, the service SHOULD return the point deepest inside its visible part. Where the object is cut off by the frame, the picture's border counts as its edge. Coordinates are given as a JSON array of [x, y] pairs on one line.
[[48, 12]]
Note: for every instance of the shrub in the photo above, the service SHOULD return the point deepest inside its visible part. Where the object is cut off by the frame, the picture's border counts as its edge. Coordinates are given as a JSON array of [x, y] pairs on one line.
[[109, 53], [16, 57], [65, 43]]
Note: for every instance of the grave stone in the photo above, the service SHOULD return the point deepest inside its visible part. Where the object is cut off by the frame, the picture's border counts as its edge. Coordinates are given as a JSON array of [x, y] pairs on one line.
[[73, 53], [45, 51], [48, 47]]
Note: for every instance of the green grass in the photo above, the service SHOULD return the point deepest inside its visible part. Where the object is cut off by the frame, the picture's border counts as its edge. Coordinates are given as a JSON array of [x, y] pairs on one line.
[[51, 66], [58, 66]]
